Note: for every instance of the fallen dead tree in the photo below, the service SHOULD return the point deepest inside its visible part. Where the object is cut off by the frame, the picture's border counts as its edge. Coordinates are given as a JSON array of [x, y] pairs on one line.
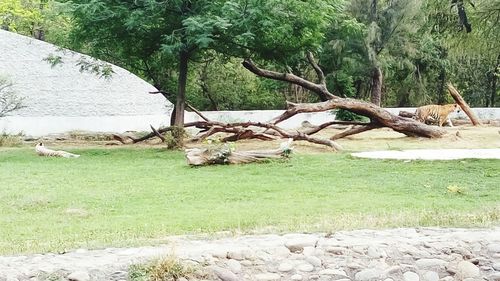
[[270, 130], [226, 155]]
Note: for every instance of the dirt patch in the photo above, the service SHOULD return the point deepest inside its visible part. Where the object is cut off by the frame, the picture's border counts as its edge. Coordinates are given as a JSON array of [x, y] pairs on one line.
[[459, 137]]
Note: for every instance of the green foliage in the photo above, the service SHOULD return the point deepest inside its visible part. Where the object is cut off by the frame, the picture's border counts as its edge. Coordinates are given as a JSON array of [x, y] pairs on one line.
[[223, 84], [43, 19], [419, 45], [148, 36], [345, 115]]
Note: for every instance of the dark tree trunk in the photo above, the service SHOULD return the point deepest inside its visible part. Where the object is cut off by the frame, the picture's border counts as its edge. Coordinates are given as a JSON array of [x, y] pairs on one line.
[[404, 100], [373, 10], [377, 80], [493, 77], [358, 85], [493, 91], [180, 104], [441, 84], [39, 34], [204, 87], [172, 116], [462, 16]]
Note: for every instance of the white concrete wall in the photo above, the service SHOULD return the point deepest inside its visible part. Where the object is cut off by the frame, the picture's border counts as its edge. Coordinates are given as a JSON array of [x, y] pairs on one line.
[[65, 91], [262, 116], [39, 126]]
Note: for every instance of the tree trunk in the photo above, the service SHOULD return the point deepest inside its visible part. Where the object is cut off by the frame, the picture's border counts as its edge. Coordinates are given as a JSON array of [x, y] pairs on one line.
[[377, 80], [461, 102], [493, 91], [441, 84], [180, 104]]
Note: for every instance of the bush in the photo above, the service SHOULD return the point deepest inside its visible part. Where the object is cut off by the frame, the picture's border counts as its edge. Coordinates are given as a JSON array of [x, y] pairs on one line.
[[165, 269], [9, 101], [10, 140], [345, 115]]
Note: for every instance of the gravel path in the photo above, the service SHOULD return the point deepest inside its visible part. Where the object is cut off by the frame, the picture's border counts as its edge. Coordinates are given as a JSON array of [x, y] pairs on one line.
[[432, 154], [428, 254]]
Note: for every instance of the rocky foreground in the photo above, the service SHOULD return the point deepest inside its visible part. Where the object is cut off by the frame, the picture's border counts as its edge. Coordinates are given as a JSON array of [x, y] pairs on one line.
[[428, 254]]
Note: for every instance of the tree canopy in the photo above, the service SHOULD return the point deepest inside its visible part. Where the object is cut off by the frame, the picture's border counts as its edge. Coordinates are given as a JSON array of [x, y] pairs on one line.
[[404, 50]]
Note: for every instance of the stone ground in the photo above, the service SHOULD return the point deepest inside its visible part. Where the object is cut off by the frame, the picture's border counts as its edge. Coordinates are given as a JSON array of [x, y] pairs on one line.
[[427, 254]]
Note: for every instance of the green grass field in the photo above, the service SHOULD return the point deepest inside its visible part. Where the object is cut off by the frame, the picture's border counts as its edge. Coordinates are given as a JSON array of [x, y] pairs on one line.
[[132, 196]]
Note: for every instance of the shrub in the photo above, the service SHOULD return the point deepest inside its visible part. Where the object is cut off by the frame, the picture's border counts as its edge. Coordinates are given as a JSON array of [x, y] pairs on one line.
[[165, 269], [10, 140], [345, 115]]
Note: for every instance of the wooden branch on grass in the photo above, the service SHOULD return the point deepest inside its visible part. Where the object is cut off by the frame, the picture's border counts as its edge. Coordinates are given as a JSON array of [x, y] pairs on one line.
[[225, 155]]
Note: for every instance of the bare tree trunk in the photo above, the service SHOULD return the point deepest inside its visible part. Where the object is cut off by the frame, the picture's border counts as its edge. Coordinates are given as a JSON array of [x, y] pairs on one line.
[[180, 103], [377, 80], [493, 90], [441, 84], [205, 89], [458, 98]]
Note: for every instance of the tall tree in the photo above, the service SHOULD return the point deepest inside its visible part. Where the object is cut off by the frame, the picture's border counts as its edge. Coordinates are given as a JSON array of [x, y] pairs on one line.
[[158, 39], [388, 22], [41, 19]]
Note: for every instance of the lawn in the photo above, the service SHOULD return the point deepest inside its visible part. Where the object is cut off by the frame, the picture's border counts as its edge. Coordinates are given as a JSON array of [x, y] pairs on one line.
[[132, 196]]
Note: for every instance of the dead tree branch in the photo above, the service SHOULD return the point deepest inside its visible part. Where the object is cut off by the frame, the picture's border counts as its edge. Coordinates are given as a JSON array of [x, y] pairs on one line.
[[463, 104], [355, 130], [377, 115], [157, 133], [319, 72]]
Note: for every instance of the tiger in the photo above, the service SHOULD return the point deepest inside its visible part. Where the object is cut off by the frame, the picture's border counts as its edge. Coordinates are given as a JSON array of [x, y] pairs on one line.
[[434, 113], [41, 150]]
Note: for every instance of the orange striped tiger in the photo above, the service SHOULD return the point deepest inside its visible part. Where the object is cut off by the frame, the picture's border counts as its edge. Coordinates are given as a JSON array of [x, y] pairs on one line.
[[43, 151], [434, 113]]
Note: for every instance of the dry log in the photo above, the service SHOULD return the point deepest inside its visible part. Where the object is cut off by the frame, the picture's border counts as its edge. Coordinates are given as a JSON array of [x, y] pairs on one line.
[[225, 155], [377, 115], [157, 133], [270, 130], [465, 107], [354, 130], [406, 114]]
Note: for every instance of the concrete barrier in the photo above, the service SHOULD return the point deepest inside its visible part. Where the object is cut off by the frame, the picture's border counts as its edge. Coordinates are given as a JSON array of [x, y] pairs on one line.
[[44, 125]]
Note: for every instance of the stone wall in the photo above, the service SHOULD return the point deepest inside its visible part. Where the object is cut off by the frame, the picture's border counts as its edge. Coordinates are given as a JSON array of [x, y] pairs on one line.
[[39, 126], [63, 97]]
